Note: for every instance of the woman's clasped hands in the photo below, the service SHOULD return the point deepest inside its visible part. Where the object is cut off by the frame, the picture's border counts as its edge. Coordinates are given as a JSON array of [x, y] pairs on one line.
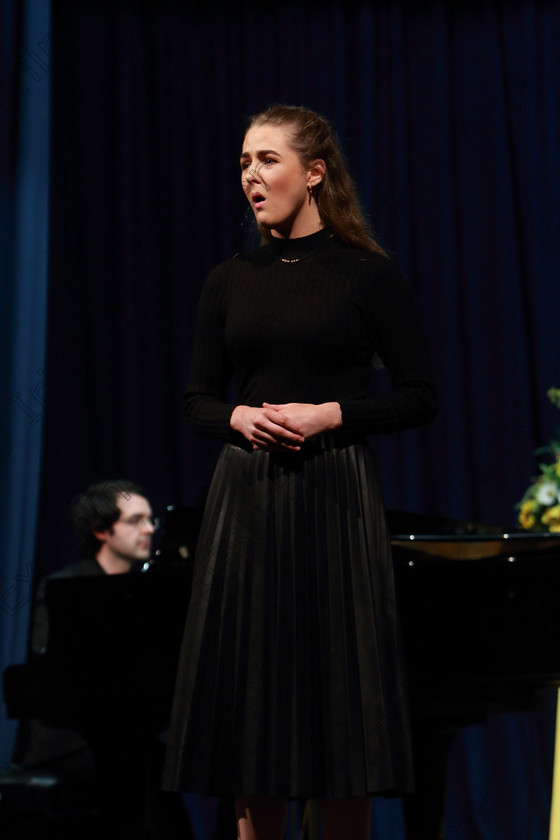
[[284, 427]]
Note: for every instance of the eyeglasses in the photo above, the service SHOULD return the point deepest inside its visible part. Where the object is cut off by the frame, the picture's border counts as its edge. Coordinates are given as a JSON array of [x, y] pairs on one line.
[[140, 519]]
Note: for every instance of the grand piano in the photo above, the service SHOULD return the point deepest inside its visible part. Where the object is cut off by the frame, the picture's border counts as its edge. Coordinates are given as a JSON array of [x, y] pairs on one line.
[[481, 626], [479, 615]]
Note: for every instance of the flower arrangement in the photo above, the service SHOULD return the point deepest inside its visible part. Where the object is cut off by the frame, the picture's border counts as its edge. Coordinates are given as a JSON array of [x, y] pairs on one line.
[[539, 509]]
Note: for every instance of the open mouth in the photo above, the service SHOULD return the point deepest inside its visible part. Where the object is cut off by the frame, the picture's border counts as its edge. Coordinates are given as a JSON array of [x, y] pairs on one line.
[[257, 198]]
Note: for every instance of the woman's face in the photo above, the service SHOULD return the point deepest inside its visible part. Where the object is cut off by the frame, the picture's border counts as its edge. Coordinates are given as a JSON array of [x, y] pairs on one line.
[[275, 183]]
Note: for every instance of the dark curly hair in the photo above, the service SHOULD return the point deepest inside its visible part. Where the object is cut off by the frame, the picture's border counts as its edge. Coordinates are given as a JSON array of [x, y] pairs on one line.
[[96, 510]]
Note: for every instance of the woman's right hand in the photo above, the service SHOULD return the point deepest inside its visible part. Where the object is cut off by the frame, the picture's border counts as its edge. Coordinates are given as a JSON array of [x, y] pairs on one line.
[[266, 428]]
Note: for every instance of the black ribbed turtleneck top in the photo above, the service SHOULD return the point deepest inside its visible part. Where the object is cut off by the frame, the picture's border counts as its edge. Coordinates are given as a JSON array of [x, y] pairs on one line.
[[300, 320]]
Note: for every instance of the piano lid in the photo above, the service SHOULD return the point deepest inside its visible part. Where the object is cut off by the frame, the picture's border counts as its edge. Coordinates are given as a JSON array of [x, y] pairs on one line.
[[458, 539]]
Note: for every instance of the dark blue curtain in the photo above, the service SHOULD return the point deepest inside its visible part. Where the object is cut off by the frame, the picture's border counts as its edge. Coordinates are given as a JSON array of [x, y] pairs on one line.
[[499, 778], [449, 115], [24, 183]]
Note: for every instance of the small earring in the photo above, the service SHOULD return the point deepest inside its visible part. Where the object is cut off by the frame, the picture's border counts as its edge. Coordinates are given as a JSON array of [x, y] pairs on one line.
[[310, 191]]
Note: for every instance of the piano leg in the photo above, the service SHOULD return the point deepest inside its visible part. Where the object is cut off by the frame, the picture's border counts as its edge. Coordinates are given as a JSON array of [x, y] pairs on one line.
[[131, 802], [121, 771], [425, 809]]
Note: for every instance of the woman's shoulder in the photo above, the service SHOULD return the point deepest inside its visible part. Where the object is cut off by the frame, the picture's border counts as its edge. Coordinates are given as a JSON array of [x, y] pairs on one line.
[[222, 273], [229, 278], [374, 279], [363, 263], [238, 263]]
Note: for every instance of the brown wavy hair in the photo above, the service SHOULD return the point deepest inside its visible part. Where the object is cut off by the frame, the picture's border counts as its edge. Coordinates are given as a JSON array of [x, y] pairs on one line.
[[311, 137]]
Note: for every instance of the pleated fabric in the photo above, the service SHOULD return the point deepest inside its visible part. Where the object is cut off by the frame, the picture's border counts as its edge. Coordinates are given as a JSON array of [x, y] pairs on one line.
[[290, 679]]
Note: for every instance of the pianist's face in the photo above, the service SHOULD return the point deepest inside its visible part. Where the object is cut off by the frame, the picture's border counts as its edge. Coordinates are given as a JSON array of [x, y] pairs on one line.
[[130, 537]]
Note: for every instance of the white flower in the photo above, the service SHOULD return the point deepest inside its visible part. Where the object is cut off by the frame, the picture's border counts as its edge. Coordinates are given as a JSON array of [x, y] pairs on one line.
[[547, 493]]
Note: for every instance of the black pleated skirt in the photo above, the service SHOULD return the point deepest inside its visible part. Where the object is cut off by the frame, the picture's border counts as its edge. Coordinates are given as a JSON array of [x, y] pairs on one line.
[[290, 680]]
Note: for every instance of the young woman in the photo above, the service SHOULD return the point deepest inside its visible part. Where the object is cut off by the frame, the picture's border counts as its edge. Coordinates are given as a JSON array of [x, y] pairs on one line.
[[291, 678]]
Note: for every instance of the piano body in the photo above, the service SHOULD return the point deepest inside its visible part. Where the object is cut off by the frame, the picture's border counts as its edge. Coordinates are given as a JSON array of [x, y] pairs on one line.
[[479, 612], [481, 627], [108, 674], [479, 616]]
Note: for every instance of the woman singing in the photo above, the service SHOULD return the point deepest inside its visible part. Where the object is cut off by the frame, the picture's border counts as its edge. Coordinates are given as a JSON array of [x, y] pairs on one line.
[[290, 683]]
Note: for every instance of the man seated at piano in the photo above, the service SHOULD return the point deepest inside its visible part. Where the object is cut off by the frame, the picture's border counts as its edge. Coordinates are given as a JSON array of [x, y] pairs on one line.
[[114, 526]]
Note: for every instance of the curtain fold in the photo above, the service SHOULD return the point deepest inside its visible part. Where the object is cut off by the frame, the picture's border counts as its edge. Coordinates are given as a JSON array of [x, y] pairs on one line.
[[456, 162], [24, 105]]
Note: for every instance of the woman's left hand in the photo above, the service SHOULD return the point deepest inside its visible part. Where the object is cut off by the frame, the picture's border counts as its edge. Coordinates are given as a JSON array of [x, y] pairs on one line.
[[309, 418]]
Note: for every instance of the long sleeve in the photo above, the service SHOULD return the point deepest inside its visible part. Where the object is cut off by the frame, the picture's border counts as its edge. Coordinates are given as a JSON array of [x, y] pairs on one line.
[[211, 367], [307, 332], [395, 327]]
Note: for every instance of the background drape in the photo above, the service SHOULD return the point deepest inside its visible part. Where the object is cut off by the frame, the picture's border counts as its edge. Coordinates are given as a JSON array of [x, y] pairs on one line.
[[24, 184], [449, 115]]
